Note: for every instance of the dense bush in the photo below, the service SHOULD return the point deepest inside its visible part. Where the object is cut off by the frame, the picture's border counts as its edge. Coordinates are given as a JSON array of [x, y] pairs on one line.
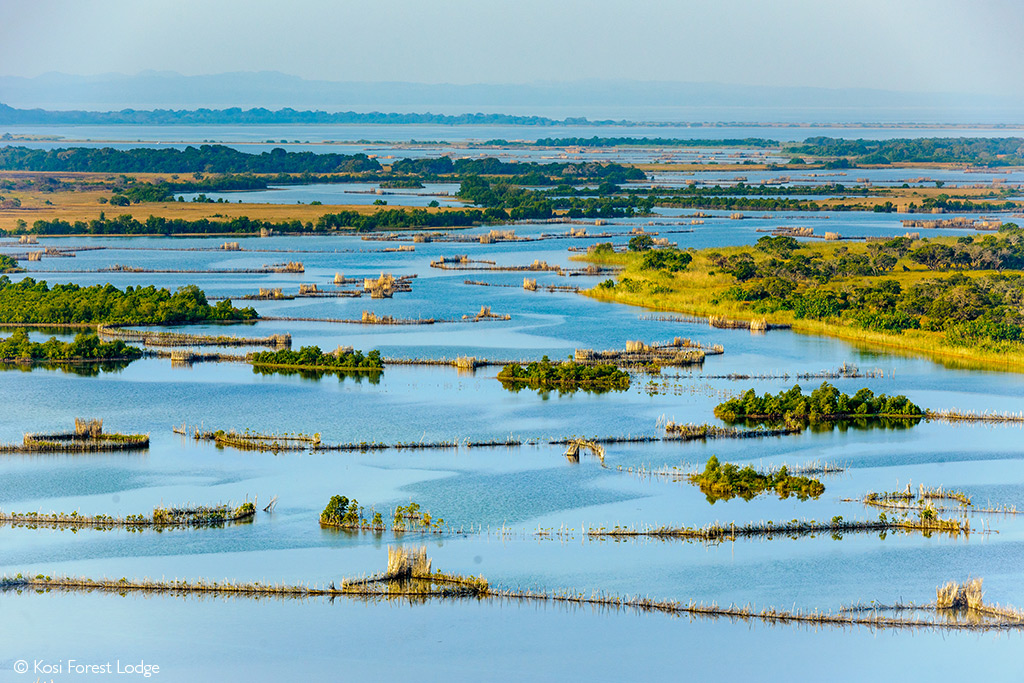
[[568, 376], [87, 347], [826, 403], [29, 301], [725, 481], [313, 357]]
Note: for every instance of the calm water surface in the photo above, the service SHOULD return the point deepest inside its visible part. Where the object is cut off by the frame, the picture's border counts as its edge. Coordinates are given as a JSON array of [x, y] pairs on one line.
[[484, 491]]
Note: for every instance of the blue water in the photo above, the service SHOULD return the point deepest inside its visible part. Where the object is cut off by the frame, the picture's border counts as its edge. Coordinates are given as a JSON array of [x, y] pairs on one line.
[[484, 490]]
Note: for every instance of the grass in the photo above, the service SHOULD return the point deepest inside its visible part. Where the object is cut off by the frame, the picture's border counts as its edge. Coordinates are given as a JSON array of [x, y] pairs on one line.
[[84, 205], [700, 290]]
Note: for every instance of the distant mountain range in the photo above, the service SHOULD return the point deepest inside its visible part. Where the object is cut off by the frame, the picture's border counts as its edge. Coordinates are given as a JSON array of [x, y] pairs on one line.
[[537, 102], [10, 115]]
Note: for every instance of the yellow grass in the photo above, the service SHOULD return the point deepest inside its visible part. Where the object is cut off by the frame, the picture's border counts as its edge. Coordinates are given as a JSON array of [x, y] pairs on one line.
[[84, 205], [700, 291]]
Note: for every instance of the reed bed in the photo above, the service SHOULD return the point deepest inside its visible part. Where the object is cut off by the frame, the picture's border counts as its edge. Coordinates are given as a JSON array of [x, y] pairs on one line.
[[136, 270], [171, 339], [679, 352], [721, 322], [187, 357], [717, 532], [409, 573], [420, 584], [162, 517], [924, 499], [457, 362], [923, 494], [249, 440], [466, 264], [528, 284], [682, 473], [88, 437], [955, 415], [703, 432], [255, 441], [968, 596], [844, 372]]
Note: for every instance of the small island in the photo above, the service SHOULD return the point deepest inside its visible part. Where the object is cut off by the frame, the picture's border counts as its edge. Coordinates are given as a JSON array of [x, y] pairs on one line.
[[342, 359], [724, 481], [566, 377], [824, 404]]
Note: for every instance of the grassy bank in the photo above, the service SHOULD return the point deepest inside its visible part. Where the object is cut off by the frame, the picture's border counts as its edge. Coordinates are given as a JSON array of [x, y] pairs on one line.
[[702, 289]]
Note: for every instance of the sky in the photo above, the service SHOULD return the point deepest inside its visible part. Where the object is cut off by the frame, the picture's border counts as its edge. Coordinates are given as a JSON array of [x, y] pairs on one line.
[[905, 45]]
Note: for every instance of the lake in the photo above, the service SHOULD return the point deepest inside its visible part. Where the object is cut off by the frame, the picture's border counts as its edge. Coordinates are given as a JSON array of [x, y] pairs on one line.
[[498, 497]]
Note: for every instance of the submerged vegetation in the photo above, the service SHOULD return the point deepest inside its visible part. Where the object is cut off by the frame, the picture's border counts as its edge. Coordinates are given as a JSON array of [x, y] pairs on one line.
[[566, 377], [162, 517], [348, 514], [724, 481], [28, 301]]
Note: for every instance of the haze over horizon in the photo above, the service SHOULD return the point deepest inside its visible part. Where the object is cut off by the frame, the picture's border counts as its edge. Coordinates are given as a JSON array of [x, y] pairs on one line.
[[908, 46], [679, 60]]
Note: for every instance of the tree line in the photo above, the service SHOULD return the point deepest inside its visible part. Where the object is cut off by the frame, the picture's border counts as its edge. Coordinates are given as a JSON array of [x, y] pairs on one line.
[[29, 301], [982, 151], [85, 347]]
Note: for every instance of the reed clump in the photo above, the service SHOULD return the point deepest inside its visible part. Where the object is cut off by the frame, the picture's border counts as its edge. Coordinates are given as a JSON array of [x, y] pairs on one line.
[[837, 526], [969, 597], [162, 517], [908, 499], [88, 437], [680, 352], [255, 441], [703, 432], [410, 574], [172, 339]]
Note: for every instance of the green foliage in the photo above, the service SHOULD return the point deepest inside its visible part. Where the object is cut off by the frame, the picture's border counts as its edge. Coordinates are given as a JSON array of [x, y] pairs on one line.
[[524, 173], [412, 518], [824, 404], [987, 151], [726, 481], [670, 260], [522, 203], [567, 377], [158, 225], [8, 264], [640, 243], [205, 159], [85, 347], [28, 301], [782, 246], [313, 358], [344, 513], [980, 311]]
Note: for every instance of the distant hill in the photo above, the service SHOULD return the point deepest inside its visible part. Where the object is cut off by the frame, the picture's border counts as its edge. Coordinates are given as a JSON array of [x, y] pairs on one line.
[[595, 99], [235, 115]]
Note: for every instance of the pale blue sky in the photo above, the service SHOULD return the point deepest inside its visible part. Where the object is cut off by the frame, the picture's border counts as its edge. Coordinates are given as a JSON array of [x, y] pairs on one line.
[[919, 45]]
